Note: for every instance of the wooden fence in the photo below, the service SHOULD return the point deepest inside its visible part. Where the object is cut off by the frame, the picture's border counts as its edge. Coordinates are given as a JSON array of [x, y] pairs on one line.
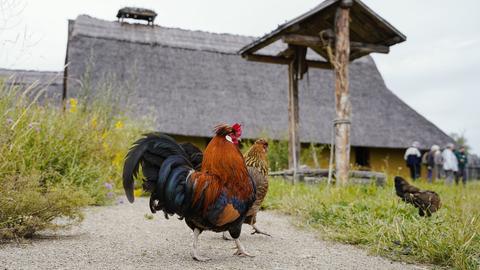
[[473, 172]]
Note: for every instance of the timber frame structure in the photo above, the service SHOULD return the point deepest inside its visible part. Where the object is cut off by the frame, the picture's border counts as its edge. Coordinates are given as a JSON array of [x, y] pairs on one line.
[[328, 37]]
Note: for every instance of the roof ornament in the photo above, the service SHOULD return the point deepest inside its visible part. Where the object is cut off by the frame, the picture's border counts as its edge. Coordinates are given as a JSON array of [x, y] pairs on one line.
[[137, 14]]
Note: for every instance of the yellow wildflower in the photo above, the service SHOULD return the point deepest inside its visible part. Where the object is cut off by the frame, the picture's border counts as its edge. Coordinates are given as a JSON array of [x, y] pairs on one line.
[[94, 122], [118, 160], [119, 125], [138, 192], [73, 104], [106, 146]]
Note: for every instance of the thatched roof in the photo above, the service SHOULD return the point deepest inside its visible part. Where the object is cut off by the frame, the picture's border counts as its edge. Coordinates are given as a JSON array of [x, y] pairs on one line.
[[366, 27], [49, 82], [192, 80]]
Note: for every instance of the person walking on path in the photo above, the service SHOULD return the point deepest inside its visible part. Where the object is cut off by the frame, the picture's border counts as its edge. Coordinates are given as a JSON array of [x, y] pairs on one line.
[[450, 163], [414, 159], [462, 158]]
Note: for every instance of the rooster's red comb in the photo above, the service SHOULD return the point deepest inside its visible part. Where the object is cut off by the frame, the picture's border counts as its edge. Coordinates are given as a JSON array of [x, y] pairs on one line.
[[237, 128]]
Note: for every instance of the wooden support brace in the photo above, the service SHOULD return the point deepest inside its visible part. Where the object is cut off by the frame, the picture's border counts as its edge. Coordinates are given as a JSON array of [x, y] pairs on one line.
[[284, 61], [287, 53], [326, 35], [369, 48]]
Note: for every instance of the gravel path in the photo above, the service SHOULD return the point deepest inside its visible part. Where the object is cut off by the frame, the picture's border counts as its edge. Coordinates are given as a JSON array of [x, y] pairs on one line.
[[120, 237]]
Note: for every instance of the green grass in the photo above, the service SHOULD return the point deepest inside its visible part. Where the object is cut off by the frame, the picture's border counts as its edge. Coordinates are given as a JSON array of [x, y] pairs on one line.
[[53, 162], [374, 218]]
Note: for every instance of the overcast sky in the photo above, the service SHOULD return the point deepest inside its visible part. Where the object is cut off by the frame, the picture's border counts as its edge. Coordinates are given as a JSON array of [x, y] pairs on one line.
[[436, 71]]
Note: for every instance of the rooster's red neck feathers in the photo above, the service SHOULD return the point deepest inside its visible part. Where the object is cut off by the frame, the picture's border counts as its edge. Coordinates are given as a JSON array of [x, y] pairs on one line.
[[223, 159]]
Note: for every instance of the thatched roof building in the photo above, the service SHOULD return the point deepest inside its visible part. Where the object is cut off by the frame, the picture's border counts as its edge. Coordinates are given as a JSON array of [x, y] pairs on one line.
[[192, 80], [48, 84]]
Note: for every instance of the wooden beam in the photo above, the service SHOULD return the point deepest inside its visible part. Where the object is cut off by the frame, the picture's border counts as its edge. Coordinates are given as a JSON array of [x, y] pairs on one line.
[[287, 53], [342, 100], [319, 64], [327, 34], [369, 48], [346, 4], [284, 61], [303, 40], [312, 41], [293, 113], [267, 59]]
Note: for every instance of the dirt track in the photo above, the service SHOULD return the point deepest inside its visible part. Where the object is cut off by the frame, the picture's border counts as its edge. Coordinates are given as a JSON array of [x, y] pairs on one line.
[[120, 237]]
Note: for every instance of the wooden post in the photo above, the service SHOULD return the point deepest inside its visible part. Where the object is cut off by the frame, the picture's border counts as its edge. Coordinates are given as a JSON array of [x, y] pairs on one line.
[[342, 102], [293, 115]]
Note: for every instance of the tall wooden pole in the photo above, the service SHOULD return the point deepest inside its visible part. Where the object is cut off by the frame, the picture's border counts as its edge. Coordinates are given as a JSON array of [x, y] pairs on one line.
[[293, 116], [342, 102]]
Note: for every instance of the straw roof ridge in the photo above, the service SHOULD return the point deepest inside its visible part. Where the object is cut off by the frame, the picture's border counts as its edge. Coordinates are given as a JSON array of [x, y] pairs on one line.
[[86, 25]]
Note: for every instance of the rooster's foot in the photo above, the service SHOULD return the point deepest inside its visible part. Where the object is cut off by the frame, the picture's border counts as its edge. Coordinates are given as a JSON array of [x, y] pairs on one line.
[[241, 250], [256, 230], [243, 254], [200, 258]]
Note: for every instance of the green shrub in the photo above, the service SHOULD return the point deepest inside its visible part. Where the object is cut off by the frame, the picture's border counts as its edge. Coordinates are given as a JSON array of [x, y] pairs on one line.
[[313, 155], [26, 207], [375, 218], [278, 155], [52, 162]]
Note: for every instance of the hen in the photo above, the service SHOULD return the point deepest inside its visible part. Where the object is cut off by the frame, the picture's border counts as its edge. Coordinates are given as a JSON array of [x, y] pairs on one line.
[[257, 163], [214, 197], [426, 201]]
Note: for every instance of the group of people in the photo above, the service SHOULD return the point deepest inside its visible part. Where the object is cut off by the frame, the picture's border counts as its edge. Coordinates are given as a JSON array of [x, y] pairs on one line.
[[449, 164]]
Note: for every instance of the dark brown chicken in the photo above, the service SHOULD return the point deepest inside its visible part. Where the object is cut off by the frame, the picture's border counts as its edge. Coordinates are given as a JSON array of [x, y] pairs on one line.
[[257, 164], [426, 201]]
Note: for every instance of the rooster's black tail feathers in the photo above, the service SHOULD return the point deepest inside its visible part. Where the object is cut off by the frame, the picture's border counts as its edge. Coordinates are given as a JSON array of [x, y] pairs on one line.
[[172, 192], [151, 151]]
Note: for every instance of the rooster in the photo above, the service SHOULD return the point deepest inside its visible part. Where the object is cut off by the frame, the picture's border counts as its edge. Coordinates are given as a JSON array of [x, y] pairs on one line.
[[216, 196], [257, 163], [425, 200]]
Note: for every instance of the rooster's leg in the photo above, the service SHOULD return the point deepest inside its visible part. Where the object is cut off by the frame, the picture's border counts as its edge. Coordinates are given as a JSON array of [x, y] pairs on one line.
[[256, 230], [225, 236], [195, 255], [241, 249]]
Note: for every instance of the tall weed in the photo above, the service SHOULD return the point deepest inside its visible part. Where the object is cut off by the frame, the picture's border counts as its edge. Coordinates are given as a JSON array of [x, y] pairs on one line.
[[52, 162]]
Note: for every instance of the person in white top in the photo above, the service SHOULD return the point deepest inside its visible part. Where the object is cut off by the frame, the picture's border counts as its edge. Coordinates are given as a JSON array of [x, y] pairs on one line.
[[437, 162], [414, 160], [450, 163]]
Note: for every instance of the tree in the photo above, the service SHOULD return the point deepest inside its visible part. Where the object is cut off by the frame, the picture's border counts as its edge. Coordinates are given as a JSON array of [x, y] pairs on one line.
[[460, 140]]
